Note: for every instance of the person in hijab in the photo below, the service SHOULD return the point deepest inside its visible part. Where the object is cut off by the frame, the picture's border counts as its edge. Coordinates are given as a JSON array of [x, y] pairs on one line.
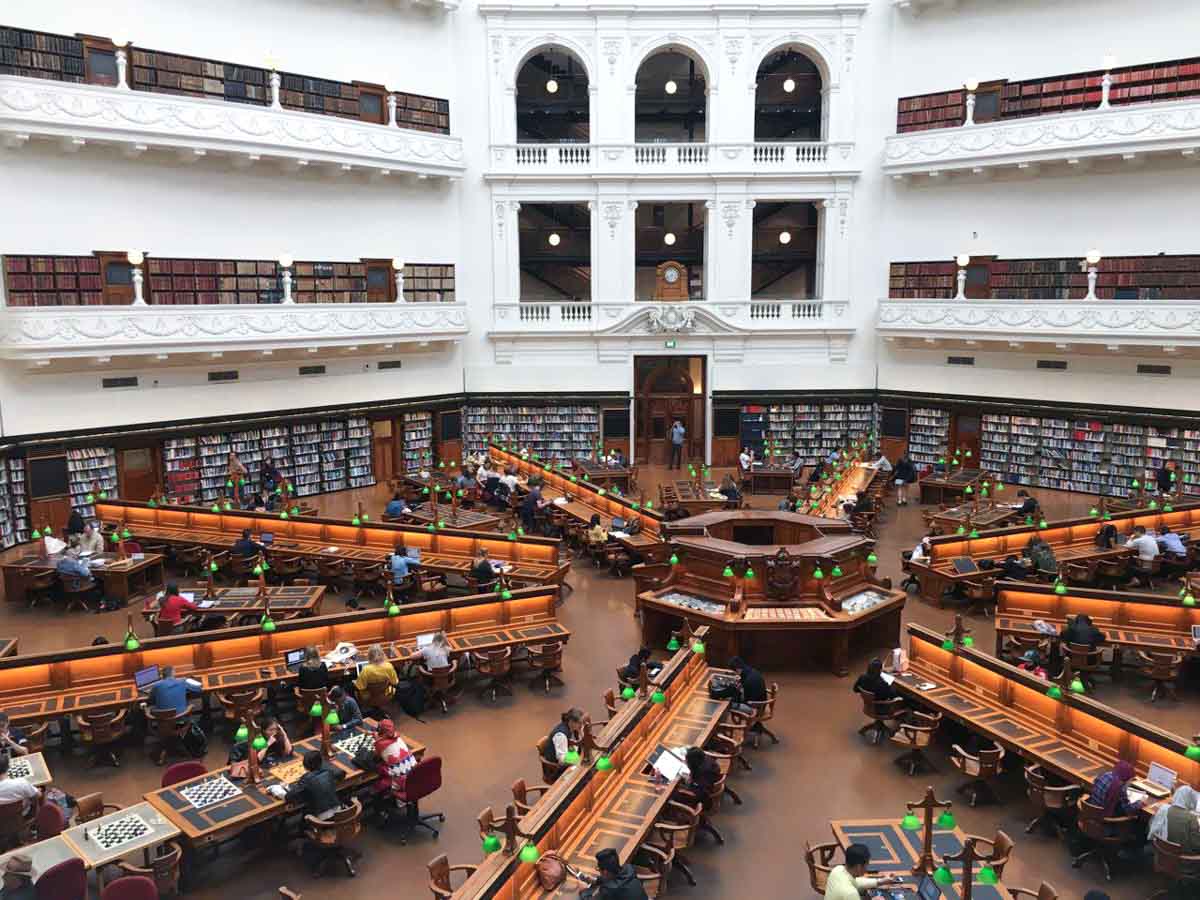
[[1109, 791], [1179, 824], [395, 759]]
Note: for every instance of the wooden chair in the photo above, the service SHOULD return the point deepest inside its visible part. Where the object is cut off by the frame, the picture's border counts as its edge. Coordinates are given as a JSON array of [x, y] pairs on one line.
[[165, 629], [677, 826], [1111, 573], [723, 751], [375, 699], [331, 837], [623, 682], [191, 559], [49, 821], [1163, 670], [167, 726], [102, 731], [241, 568], [1170, 860], [77, 590], [610, 702], [915, 730], [164, 869], [1106, 834], [367, 579], [734, 728], [285, 568], [819, 858], [1045, 892], [764, 711], [16, 825], [525, 796], [332, 573], [35, 736], [440, 872], [979, 768], [1146, 570], [550, 770], [654, 865], [183, 771], [1014, 646], [239, 704], [92, 806], [546, 661], [981, 596], [880, 712], [496, 666], [1080, 574], [999, 851], [39, 585], [442, 683], [1085, 662]]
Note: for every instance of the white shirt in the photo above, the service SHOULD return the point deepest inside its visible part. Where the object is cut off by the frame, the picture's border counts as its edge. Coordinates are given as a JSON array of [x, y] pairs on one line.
[[91, 543], [883, 465], [482, 475], [844, 886], [1146, 546], [918, 552], [17, 789], [1173, 543], [511, 481], [745, 459]]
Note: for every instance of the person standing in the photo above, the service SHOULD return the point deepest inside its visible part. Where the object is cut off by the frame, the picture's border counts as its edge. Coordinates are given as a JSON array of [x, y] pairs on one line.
[[677, 435], [905, 474]]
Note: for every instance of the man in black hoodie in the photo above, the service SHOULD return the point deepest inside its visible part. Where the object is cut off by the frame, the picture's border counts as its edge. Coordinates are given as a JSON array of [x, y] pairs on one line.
[[616, 881]]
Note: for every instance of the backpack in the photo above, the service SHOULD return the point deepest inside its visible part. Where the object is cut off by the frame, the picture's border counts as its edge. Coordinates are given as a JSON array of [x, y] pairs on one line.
[[410, 695], [721, 688], [195, 741]]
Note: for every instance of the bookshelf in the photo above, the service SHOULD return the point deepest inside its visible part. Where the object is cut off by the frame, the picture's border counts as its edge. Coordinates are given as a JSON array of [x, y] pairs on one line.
[[812, 429], [53, 281], [248, 445], [425, 283], [304, 466], [14, 513], [928, 433], [333, 455], [925, 111], [35, 54], [330, 282], [1055, 465], [418, 440], [189, 76], [189, 282], [181, 466], [554, 431], [88, 466], [910, 280], [757, 423], [358, 452]]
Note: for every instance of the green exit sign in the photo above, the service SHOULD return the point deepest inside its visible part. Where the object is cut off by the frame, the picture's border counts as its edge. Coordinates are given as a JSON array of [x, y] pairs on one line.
[[670, 345]]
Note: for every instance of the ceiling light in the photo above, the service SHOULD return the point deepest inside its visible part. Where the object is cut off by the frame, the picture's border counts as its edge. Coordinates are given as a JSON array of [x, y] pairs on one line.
[[1109, 61], [285, 261], [789, 85], [963, 260], [669, 239], [135, 257], [554, 239], [973, 85], [397, 264], [1093, 257], [551, 86], [785, 237], [671, 87]]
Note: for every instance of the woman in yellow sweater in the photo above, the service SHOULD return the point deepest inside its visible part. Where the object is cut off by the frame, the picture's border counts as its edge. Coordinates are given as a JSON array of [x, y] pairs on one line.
[[377, 670]]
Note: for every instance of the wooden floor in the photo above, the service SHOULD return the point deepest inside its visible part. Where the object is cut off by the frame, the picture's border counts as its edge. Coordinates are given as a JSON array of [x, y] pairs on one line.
[[822, 770]]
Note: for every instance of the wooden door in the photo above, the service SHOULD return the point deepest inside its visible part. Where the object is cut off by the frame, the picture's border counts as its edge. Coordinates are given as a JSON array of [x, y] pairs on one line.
[[665, 392], [137, 472], [966, 438]]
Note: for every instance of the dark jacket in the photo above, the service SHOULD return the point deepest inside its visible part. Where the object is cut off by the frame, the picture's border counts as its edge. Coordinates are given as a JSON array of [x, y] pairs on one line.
[[312, 677], [905, 471], [75, 523], [246, 547], [484, 573], [622, 886], [1163, 477], [317, 790], [1184, 829], [1079, 633], [1029, 506], [754, 686], [877, 687], [560, 728]]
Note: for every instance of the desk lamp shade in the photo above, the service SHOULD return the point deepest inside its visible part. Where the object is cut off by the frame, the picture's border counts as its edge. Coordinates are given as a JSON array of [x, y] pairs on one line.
[[968, 641], [749, 574], [228, 506], [116, 538], [1189, 600], [942, 876], [968, 490], [393, 610], [698, 648], [126, 534], [1059, 588], [506, 594], [961, 530], [947, 644], [818, 574], [728, 572], [90, 497], [673, 644], [333, 719], [1029, 520], [658, 697], [520, 531], [649, 504], [529, 854], [872, 558], [151, 503], [1093, 512], [999, 485], [987, 875], [1055, 692], [212, 567], [1076, 686], [1041, 523], [628, 693], [946, 820], [257, 570], [1192, 752], [836, 572], [131, 642], [241, 734], [356, 521], [1167, 507], [674, 560], [512, 535], [316, 710], [104, 495], [910, 823], [283, 514], [491, 844], [974, 533], [216, 508], [603, 764], [259, 743], [571, 758], [229, 483], [1154, 504]]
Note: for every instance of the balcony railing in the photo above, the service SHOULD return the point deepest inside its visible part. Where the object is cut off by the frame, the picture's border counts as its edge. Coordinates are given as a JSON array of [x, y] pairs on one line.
[[818, 158], [1075, 139], [653, 317], [1112, 323], [140, 121], [45, 333]]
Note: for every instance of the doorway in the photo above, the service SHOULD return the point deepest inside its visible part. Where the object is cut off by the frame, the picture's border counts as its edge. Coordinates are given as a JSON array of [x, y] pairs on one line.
[[137, 473], [966, 439], [666, 389]]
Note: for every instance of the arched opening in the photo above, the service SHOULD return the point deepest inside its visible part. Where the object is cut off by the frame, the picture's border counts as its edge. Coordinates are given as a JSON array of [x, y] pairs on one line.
[[669, 251], [787, 98], [671, 100], [552, 99], [555, 252]]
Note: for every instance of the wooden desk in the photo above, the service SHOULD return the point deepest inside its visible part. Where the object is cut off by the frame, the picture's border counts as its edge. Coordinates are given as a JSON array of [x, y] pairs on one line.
[[1135, 621], [940, 487], [43, 686], [692, 496], [97, 849], [34, 764], [235, 601], [982, 516], [894, 852], [641, 542], [452, 551], [423, 514], [766, 479], [226, 818], [44, 854], [121, 579], [1075, 737], [605, 476]]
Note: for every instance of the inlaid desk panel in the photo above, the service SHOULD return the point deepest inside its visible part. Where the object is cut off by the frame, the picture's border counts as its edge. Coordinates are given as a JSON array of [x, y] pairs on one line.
[[235, 601], [120, 578], [425, 513]]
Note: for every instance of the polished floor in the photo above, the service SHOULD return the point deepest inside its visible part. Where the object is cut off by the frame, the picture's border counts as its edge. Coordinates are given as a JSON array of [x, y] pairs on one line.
[[821, 770]]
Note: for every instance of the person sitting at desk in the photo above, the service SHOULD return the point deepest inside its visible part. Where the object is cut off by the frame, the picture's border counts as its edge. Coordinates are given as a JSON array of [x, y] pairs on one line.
[[873, 682], [69, 563], [703, 774], [1080, 630], [796, 463], [596, 533], [791, 503], [316, 788], [729, 489], [1144, 544], [313, 674], [377, 670], [18, 878], [922, 550], [482, 474], [75, 524], [269, 477], [509, 479], [12, 789], [1013, 570], [904, 474], [396, 507], [91, 540], [1031, 661], [561, 735], [1029, 505], [349, 712], [1179, 824], [818, 470], [746, 459], [849, 881], [245, 546], [279, 745], [530, 507], [1171, 542], [395, 759], [615, 881], [12, 740], [754, 686], [1109, 791], [1163, 477], [171, 692], [1041, 555], [484, 572], [173, 605], [400, 561], [618, 458], [633, 671], [264, 501], [436, 654]]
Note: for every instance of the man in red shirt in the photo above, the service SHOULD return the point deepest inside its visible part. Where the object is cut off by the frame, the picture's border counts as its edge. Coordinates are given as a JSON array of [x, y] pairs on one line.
[[173, 606]]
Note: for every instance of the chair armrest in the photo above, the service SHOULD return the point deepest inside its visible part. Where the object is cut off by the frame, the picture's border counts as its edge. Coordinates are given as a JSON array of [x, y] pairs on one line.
[[130, 869], [991, 845], [963, 753], [470, 870]]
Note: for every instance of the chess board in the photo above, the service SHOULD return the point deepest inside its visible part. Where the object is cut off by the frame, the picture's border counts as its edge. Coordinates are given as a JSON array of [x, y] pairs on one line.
[[19, 767], [786, 613], [119, 831], [289, 770], [210, 791], [356, 742]]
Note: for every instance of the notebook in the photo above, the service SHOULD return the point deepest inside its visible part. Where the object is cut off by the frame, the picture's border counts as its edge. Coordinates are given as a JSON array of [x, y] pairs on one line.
[[667, 763]]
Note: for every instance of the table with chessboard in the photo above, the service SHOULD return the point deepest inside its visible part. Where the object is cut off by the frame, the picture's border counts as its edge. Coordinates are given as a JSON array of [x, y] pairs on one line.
[[214, 807], [111, 837], [32, 767]]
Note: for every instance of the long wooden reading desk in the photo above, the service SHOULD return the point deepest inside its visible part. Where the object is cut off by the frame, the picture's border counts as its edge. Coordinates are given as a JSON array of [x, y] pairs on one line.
[[232, 602], [605, 476], [587, 810], [44, 686], [1075, 737], [452, 550], [767, 478], [122, 579], [1136, 621], [942, 486], [694, 496], [480, 518], [1072, 540], [976, 514]]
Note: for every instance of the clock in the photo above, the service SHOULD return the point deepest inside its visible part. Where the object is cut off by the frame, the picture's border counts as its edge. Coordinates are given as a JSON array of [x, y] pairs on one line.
[[672, 281]]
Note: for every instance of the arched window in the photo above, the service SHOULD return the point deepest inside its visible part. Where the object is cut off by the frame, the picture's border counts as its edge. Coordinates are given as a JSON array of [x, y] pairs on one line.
[[787, 98], [552, 99], [671, 101]]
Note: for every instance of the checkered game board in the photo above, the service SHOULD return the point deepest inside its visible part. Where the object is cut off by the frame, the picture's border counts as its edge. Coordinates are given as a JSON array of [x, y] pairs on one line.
[[19, 767], [210, 791], [356, 742], [119, 831]]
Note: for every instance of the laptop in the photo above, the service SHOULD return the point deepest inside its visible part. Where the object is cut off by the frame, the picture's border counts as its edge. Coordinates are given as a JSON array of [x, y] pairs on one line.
[[293, 658], [415, 553], [927, 889], [424, 640], [618, 524], [964, 565], [667, 763], [266, 538], [146, 678], [1158, 783]]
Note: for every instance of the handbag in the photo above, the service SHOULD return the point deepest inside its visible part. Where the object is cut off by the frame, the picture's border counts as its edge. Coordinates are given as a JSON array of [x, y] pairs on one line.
[[551, 871]]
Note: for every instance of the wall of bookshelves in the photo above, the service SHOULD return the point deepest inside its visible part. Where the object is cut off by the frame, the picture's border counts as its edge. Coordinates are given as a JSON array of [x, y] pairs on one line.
[[14, 512], [813, 429], [359, 464], [333, 456], [303, 467], [91, 470], [928, 435], [562, 432], [418, 440]]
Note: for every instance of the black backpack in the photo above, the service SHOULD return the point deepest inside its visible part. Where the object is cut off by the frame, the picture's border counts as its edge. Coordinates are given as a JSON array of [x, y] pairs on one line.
[[410, 695]]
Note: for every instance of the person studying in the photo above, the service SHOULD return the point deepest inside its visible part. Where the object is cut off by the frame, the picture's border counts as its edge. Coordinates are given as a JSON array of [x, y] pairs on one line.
[[484, 572], [245, 546], [377, 670], [400, 561], [173, 605], [91, 540]]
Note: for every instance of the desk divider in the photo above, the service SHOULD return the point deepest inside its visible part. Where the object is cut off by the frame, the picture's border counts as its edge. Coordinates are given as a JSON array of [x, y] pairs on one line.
[[1148, 612]]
